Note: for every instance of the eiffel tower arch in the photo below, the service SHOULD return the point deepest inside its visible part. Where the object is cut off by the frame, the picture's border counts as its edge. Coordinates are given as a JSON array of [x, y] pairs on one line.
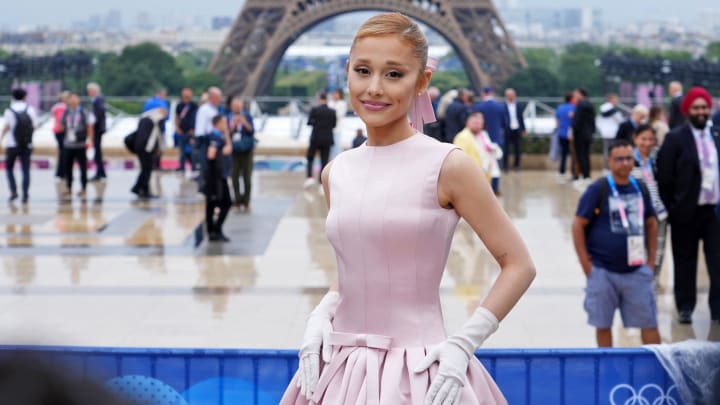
[[263, 31]]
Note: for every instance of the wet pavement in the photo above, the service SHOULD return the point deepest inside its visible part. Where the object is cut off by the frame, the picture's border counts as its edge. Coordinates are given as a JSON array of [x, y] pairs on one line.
[[115, 271]]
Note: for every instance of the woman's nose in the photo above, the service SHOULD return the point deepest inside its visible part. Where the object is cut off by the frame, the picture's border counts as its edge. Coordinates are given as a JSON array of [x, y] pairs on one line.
[[375, 86]]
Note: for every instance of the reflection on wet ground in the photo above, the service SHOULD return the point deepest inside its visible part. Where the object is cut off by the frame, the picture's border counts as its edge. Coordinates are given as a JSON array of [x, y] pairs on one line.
[[114, 271]]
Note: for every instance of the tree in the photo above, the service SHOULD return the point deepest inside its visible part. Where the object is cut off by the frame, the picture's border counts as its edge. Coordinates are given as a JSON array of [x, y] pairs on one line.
[[194, 61], [581, 70], [534, 82], [131, 80], [200, 81], [139, 70], [545, 58], [448, 80], [712, 52], [585, 48]]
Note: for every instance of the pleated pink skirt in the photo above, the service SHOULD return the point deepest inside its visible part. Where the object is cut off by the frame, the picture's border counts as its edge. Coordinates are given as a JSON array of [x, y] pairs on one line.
[[365, 370]]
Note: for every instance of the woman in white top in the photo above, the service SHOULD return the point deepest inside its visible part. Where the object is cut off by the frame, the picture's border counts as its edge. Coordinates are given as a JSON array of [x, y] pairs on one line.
[[490, 155], [645, 141], [657, 122]]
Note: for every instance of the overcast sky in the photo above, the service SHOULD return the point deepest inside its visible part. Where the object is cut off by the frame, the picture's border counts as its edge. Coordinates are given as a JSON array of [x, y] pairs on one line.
[[61, 13]]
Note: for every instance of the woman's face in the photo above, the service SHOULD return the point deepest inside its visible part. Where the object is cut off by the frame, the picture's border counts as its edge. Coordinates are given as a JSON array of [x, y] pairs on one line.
[[383, 77], [645, 141]]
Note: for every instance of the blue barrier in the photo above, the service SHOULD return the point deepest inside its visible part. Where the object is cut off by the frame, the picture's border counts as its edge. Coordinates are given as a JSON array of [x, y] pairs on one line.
[[259, 377]]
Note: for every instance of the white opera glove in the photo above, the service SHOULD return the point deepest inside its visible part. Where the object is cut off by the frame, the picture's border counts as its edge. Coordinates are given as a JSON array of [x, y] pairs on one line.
[[317, 334], [453, 356]]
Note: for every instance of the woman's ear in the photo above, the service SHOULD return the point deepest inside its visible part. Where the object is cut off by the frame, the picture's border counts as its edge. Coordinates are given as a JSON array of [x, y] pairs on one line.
[[423, 81], [347, 66]]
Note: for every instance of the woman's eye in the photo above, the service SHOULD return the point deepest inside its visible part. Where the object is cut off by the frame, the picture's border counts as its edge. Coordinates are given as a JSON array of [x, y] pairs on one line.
[[395, 74], [362, 70]]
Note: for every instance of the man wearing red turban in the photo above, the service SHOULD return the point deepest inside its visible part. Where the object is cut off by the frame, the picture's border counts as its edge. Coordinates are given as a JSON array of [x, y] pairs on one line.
[[687, 177]]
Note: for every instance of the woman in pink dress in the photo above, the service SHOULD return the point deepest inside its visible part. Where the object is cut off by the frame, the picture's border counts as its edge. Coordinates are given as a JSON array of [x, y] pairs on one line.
[[377, 337]]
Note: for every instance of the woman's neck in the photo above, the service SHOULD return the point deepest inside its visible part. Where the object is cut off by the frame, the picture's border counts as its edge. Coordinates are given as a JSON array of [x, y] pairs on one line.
[[389, 134], [643, 155]]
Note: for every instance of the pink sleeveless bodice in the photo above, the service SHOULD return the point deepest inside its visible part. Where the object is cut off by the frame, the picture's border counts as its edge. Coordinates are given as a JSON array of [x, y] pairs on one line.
[[392, 239]]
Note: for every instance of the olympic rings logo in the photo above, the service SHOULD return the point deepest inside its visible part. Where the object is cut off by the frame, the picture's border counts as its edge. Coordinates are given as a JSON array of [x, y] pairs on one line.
[[639, 397]]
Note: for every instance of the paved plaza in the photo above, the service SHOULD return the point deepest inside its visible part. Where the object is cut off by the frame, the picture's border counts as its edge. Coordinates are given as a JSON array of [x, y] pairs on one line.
[[120, 272]]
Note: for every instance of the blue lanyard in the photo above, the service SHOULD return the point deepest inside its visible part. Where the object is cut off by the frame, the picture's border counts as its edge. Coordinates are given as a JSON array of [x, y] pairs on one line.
[[74, 118], [621, 205], [639, 160]]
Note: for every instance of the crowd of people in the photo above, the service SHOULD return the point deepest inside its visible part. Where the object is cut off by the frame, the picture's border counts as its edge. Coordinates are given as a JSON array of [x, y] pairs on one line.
[[79, 133], [655, 177], [215, 143], [659, 173], [659, 176]]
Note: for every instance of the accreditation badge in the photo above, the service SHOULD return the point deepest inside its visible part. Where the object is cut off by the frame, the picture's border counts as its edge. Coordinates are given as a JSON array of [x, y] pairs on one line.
[[636, 250], [708, 178]]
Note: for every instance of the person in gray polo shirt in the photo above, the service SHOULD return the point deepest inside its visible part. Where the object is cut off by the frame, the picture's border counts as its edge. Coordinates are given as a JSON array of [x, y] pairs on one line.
[[615, 236]]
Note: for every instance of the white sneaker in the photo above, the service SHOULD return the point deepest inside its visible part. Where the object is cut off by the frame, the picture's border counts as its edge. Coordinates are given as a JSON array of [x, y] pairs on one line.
[[309, 182], [560, 178]]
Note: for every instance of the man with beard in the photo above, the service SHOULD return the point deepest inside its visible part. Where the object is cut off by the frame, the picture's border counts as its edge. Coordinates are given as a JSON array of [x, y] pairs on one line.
[[688, 180]]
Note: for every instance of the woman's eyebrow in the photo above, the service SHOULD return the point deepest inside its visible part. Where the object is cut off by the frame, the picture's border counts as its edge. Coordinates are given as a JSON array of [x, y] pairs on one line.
[[389, 63]]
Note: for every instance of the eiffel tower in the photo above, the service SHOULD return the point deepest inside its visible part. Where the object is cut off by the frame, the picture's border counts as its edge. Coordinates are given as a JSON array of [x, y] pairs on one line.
[[263, 31]]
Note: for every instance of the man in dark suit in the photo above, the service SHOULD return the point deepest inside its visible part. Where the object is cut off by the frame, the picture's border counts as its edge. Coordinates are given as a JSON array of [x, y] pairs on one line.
[[514, 127], [494, 113], [583, 130], [716, 117], [323, 119], [456, 115], [676, 117], [626, 130], [98, 108], [688, 182]]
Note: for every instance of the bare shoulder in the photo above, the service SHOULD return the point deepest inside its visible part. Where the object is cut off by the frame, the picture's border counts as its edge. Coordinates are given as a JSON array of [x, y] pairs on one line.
[[325, 175], [458, 172]]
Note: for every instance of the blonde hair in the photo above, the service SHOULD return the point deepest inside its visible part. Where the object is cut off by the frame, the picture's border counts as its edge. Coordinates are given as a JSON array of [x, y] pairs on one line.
[[395, 24]]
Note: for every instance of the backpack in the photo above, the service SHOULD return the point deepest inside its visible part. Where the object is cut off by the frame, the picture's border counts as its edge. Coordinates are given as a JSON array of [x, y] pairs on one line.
[[24, 129], [130, 141]]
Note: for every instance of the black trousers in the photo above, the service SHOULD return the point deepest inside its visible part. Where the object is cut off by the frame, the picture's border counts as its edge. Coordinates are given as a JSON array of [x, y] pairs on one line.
[[242, 165], [142, 184], [313, 149], [685, 242], [70, 156], [219, 199], [60, 165], [12, 154], [99, 165], [513, 139], [582, 152], [564, 151]]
